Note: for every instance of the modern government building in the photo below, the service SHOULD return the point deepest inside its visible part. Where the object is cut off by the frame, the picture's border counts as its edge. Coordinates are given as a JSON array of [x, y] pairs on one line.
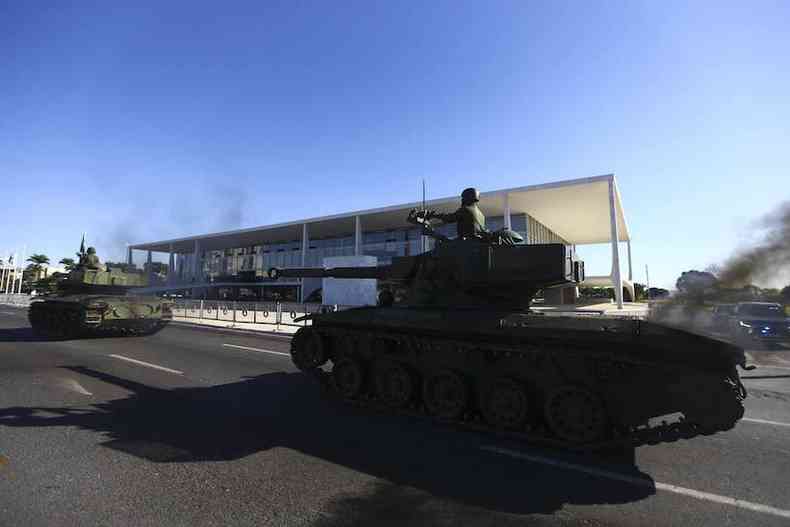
[[234, 264]]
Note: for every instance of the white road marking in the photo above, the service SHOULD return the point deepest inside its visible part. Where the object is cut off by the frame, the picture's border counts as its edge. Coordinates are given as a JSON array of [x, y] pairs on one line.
[[642, 482], [765, 422], [8, 312], [256, 349], [147, 364], [71, 384]]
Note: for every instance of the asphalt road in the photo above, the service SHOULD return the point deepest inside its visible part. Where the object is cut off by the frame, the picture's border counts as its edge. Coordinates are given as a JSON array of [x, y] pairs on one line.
[[201, 427]]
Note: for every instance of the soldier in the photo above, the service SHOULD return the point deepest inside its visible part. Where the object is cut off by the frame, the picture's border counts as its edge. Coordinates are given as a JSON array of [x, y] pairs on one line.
[[469, 219], [90, 260]]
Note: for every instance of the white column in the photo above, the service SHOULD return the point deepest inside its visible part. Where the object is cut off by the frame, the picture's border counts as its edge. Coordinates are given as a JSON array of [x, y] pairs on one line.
[[171, 264], [357, 236], [506, 200], [305, 244], [630, 271], [615, 236]]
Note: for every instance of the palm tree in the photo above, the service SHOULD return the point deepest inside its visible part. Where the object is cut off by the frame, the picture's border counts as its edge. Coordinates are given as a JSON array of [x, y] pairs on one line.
[[67, 263], [38, 261]]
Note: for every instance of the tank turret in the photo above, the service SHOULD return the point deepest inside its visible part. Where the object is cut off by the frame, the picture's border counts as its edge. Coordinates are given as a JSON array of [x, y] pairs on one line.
[[110, 281], [495, 271]]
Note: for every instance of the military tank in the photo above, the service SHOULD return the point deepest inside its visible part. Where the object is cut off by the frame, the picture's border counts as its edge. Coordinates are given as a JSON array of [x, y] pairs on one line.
[[93, 301], [454, 338]]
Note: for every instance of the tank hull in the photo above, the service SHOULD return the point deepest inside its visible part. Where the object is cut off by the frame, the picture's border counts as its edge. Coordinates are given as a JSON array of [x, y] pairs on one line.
[[572, 381], [91, 315]]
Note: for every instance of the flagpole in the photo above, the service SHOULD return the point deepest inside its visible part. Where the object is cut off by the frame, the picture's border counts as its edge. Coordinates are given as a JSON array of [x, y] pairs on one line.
[[16, 263], [8, 274], [21, 271], [2, 272]]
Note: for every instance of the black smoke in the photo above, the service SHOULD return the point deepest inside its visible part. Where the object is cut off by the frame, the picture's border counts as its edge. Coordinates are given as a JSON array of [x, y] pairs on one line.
[[149, 216], [766, 261]]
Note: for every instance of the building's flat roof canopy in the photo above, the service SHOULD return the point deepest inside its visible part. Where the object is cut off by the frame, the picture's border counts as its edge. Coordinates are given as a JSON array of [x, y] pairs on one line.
[[576, 209]]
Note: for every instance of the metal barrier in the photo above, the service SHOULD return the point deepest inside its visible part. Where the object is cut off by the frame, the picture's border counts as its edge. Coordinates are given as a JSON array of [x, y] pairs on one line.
[[272, 313]]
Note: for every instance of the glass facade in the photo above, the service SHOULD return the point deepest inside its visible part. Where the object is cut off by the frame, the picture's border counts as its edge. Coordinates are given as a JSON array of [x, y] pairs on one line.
[[251, 263]]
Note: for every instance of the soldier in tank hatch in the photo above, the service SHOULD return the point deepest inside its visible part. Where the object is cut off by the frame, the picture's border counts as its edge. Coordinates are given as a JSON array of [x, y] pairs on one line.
[[89, 260], [469, 219]]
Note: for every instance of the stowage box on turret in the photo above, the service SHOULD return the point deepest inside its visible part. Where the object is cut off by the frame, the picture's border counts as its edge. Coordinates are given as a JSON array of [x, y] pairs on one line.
[[454, 338], [92, 301]]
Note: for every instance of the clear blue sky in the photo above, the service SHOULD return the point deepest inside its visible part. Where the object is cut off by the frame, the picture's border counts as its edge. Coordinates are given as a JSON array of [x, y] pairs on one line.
[[148, 122]]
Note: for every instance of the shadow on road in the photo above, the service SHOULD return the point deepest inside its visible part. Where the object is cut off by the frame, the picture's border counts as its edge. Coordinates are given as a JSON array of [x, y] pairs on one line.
[[23, 334], [280, 409], [26, 334]]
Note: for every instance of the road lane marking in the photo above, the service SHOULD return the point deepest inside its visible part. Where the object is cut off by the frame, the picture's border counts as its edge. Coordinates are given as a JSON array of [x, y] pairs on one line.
[[643, 482], [256, 349], [765, 422], [71, 384], [147, 364]]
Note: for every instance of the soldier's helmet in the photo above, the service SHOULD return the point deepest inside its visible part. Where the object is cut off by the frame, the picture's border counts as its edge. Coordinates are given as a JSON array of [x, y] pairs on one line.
[[91, 250], [470, 195]]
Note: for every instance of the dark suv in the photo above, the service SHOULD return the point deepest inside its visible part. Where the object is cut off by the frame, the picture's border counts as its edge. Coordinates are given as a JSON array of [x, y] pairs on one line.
[[759, 321]]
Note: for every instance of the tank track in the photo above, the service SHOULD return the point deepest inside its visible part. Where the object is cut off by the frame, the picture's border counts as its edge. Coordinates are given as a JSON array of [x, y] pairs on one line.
[[617, 437], [67, 323], [645, 435]]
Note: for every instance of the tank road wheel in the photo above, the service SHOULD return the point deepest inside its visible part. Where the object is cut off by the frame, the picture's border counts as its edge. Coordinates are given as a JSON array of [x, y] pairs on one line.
[[307, 349], [394, 384], [505, 403], [575, 415], [348, 376], [446, 394]]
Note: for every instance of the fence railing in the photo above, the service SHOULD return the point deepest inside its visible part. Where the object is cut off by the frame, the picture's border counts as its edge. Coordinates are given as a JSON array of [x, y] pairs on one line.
[[273, 313]]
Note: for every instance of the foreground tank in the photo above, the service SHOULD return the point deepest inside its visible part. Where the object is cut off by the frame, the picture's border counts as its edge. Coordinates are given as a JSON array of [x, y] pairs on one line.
[[93, 302], [454, 338]]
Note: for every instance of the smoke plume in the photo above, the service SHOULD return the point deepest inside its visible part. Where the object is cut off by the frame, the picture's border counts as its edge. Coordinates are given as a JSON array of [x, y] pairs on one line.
[[149, 216], [766, 261]]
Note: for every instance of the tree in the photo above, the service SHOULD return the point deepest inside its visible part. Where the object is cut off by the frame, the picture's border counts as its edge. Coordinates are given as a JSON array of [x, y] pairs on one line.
[[38, 261], [657, 292], [696, 284], [785, 294], [640, 291], [68, 263]]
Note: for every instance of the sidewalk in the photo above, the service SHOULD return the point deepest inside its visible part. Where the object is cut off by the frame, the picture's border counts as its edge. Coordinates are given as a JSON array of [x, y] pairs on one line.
[[283, 329], [21, 300]]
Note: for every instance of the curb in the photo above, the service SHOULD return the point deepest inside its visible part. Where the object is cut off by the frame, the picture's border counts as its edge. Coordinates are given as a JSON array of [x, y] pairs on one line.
[[232, 330]]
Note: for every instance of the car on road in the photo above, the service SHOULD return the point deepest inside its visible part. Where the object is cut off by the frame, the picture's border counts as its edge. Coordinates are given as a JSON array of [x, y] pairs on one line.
[[759, 322], [720, 318]]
